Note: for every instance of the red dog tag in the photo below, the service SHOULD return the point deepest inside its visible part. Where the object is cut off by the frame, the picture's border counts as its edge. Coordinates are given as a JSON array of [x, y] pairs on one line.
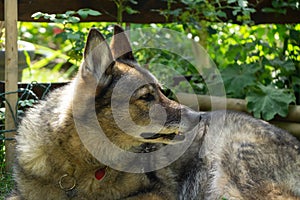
[[100, 173]]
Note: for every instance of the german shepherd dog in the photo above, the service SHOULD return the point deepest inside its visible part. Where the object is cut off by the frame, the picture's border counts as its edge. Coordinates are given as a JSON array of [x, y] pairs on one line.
[[61, 153]]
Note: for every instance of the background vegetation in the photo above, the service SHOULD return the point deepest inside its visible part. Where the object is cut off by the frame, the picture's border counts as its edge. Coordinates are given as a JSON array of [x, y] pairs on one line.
[[259, 62]]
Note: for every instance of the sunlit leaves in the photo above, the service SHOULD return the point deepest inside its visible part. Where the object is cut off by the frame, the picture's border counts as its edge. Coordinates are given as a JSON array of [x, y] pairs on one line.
[[67, 17], [265, 55], [68, 33]]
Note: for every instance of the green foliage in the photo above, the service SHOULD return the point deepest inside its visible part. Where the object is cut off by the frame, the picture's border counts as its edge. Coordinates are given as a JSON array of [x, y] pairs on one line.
[[281, 7], [248, 57], [263, 54], [165, 65], [257, 63], [267, 101], [59, 46], [2, 146], [2, 154], [73, 34], [173, 70], [215, 11], [237, 78], [67, 17], [6, 184], [6, 180]]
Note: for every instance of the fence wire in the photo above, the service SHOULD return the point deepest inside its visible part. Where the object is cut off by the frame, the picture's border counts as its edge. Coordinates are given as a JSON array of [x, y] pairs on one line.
[[28, 94]]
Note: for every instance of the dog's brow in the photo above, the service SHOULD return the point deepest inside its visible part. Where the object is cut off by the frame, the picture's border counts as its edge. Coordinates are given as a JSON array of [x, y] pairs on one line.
[[144, 90], [150, 87]]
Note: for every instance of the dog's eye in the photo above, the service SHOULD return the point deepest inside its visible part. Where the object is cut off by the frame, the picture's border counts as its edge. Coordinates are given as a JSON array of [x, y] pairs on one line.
[[147, 97]]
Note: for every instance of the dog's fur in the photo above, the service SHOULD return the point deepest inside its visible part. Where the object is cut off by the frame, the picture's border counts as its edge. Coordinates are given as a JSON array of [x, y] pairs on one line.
[[239, 157], [233, 155]]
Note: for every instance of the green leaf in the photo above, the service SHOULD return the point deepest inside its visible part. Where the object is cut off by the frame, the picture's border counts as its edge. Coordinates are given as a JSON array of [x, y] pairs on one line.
[[62, 16], [295, 35], [74, 36], [73, 19], [274, 10], [236, 78], [131, 11], [70, 12], [295, 81], [133, 2], [242, 3], [267, 101], [231, 1], [27, 102], [221, 14], [37, 15], [287, 65], [86, 11], [61, 21], [236, 10]]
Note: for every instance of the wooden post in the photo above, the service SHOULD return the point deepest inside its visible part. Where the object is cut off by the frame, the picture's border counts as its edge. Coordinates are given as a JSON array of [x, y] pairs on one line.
[[11, 77]]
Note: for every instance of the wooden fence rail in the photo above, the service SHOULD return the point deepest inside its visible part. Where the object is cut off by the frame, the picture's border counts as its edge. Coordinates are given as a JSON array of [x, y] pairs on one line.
[[291, 122]]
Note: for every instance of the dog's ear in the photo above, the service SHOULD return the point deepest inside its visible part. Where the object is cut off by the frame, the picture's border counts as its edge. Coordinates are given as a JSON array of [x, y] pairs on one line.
[[120, 45], [98, 60]]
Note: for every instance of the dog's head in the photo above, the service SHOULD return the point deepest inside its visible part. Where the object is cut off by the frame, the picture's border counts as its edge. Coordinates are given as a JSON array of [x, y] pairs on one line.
[[129, 103]]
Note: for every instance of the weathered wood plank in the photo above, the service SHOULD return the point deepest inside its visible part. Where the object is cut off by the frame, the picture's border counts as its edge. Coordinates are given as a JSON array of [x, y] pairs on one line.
[[146, 11], [11, 77], [204, 102], [107, 8]]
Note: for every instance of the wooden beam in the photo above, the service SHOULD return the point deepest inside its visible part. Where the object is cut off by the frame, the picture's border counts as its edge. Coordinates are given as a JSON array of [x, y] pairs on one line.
[[291, 122], [221, 103], [147, 11], [11, 78], [106, 7]]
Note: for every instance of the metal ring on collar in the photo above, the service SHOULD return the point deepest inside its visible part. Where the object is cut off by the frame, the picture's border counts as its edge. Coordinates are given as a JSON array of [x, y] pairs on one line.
[[64, 177]]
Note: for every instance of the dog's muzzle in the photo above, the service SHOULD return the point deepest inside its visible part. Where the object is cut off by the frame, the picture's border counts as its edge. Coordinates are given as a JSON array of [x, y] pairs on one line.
[[171, 136]]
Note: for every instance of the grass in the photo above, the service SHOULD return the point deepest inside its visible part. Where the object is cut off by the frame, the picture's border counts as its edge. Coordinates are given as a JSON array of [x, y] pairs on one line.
[[6, 184], [42, 75], [6, 180]]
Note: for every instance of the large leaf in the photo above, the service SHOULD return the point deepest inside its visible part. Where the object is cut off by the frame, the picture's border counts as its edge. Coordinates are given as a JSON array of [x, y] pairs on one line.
[[267, 101], [286, 65], [85, 12], [237, 77]]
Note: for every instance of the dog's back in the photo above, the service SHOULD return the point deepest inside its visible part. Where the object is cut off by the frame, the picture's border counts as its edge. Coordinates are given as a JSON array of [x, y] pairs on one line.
[[239, 157]]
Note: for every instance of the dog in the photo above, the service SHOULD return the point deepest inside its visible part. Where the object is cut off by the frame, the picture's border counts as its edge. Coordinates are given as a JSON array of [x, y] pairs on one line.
[[53, 162], [98, 138]]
